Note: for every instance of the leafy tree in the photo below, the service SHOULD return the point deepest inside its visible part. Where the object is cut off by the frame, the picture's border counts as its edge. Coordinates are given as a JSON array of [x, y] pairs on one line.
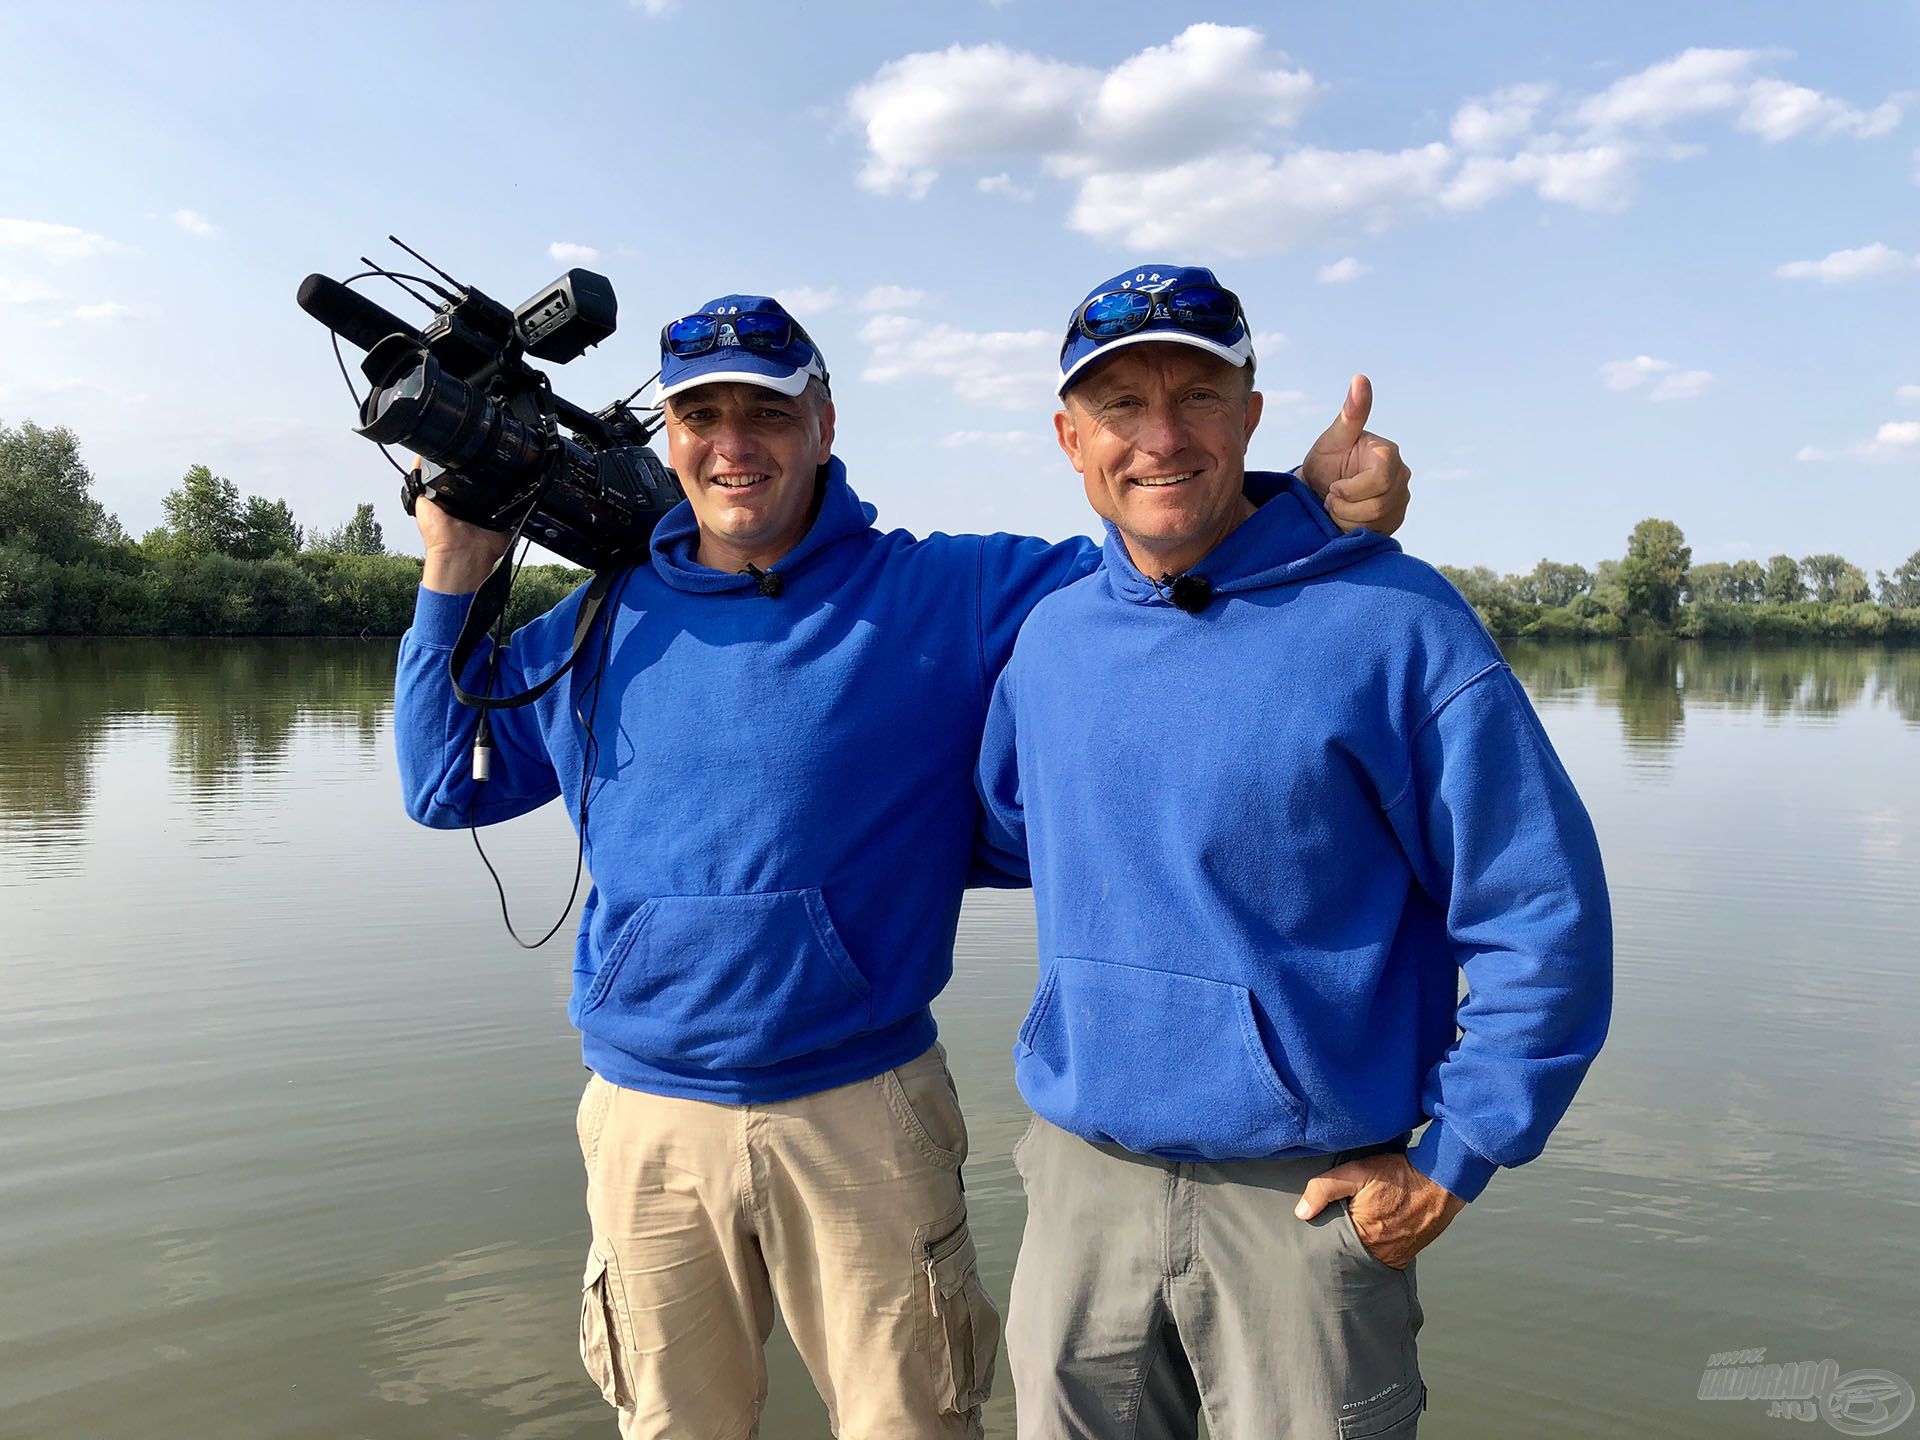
[[1552, 584], [266, 529], [46, 504], [1748, 583], [1655, 569], [1832, 577], [1902, 589], [203, 514], [1711, 583], [359, 536], [1783, 583]]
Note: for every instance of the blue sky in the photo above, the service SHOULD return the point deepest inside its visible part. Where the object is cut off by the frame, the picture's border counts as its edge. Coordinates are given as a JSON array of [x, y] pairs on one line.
[[1601, 262]]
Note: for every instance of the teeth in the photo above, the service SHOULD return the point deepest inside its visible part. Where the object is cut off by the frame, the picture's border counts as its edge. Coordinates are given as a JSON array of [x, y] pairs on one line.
[[737, 482], [1164, 479]]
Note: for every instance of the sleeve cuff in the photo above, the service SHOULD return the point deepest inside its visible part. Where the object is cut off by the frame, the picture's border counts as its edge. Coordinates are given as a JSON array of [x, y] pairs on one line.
[[437, 617], [1444, 1158]]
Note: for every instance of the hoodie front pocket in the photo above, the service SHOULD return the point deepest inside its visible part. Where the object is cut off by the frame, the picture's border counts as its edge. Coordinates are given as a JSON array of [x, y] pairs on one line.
[[1157, 1061], [728, 982]]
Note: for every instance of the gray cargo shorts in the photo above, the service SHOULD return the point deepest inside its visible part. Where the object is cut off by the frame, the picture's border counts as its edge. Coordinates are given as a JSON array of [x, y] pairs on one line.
[[1147, 1291]]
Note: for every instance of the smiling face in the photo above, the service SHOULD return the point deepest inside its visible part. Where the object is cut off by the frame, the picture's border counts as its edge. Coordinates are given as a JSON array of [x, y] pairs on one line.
[[1159, 433], [747, 458]]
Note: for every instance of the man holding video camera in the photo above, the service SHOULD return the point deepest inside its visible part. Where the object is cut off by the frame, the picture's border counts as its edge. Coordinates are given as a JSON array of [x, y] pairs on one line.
[[772, 773]]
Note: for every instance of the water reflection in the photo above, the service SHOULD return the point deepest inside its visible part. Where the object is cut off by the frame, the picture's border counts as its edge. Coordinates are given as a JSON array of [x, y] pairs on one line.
[[231, 705], [1650, 683]]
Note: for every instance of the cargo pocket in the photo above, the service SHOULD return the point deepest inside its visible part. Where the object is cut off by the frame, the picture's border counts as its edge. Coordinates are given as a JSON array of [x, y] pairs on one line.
[[727, 982], [965, 1328], [1157, 1061], [604, 1334], [1393, 1416]]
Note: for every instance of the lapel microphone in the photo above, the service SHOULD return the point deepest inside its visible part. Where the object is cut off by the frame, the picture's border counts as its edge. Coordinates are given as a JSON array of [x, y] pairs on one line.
[[1189, 592], [768, 582]]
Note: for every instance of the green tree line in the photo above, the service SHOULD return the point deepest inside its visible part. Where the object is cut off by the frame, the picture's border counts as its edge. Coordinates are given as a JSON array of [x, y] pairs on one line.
[[221, 564], [1656, 589]]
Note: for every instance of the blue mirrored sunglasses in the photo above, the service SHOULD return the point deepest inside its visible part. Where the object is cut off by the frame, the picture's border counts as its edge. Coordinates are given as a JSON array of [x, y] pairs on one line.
[[692, 335], [1113, 313]]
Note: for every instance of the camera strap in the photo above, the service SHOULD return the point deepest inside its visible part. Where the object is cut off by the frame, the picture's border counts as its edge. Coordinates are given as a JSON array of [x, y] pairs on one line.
[[489, 602]]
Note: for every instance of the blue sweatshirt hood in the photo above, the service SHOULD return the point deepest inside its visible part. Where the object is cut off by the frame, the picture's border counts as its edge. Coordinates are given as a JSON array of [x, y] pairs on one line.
[[1288, 538], [676, 539]]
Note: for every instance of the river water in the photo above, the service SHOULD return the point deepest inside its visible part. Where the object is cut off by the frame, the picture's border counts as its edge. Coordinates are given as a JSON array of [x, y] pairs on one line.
[[285, 1120]]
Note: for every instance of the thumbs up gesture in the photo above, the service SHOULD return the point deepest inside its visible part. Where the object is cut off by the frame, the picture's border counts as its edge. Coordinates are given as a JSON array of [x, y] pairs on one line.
[[1360, 476]]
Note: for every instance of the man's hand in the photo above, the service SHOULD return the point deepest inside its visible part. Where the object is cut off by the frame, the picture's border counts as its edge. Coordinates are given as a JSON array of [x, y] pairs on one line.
[[458, 555], [1396, 1210], [1361, 477]]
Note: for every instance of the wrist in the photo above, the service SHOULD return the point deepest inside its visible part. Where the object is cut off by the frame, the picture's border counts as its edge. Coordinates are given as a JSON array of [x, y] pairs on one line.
[[455, 572]]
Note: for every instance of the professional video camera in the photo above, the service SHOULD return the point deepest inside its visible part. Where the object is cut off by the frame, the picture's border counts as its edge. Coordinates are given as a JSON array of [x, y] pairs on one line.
[[460, 393]]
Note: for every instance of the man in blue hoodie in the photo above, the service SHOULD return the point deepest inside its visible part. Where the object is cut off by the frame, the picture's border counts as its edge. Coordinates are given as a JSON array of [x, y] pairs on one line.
[[773, 780], [1278, 792]]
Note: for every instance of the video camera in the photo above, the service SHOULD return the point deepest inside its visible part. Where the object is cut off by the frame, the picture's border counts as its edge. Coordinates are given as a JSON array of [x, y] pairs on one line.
[[459, 393]]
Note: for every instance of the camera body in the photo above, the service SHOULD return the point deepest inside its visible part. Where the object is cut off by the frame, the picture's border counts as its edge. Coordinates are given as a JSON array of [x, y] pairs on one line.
[[503, 450]]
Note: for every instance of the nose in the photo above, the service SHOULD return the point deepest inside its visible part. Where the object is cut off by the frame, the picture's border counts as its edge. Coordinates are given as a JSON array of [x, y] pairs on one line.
[[733, 439], [1158, 430]]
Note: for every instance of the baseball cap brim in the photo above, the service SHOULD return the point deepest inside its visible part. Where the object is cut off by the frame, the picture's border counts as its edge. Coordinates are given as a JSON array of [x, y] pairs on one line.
[[1236, 354], [742, 367]]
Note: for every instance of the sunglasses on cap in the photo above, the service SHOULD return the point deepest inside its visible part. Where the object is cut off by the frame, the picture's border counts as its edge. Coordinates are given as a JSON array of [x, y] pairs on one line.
[[693, 335], [1205, 309]]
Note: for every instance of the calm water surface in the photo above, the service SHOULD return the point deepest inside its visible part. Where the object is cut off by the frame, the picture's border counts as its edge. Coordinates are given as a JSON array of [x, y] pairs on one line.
[[285, 1120]]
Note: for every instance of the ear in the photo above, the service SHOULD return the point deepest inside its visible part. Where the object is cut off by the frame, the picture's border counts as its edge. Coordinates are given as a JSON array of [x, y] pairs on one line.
[[1256, 402], [1068, 435], [826, 431]]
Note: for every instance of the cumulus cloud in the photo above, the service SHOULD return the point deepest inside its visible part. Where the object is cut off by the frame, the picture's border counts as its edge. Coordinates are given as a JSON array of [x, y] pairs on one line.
[[568, 253], [892, 297], [806, 300], [1211, 85], [1844, 265], [1251, 203], [25, 292], [1341, 271], [988, 367], [1894, 441], [654, 8], [1184, 145], [1670, 383], [1908, 394], [55, 242], [105, 311], [194, 223], [1777, 110], [1003, 184], [1499, 120]]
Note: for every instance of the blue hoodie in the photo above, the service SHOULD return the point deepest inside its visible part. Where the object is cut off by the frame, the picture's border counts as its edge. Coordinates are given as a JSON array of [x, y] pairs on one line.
[[782, 813], [1268, 837]]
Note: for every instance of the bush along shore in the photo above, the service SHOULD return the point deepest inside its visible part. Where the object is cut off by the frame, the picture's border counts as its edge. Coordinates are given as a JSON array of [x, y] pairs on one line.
[[223, 565]]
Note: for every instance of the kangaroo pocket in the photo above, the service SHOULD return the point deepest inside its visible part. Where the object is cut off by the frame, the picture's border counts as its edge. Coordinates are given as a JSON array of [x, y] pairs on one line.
[[1160, 1062], [727, 982]]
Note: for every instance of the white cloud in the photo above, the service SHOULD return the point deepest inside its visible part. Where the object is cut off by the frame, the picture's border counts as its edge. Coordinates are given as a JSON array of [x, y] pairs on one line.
[[1631, 374], [1777, 110], [1898, 435], [1592, 177], [105, 311], [1265, 342], [1251, 203], [1496, 121], [1206, 90], [996, 439], [993, 367], [655, 8], [1003, 184], [1844, 265], [568, 253], [1694, 82], [892, 297], [1896, 440], [25, 292], [55, 242], [194, 223], [805, 300], [1683, 385], [1908, 394], [1341, 271]]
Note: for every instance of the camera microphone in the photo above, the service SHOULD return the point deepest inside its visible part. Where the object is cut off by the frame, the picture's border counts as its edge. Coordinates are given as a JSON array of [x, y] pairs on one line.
[[1189, 592], [350, 315], [770, 583]]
